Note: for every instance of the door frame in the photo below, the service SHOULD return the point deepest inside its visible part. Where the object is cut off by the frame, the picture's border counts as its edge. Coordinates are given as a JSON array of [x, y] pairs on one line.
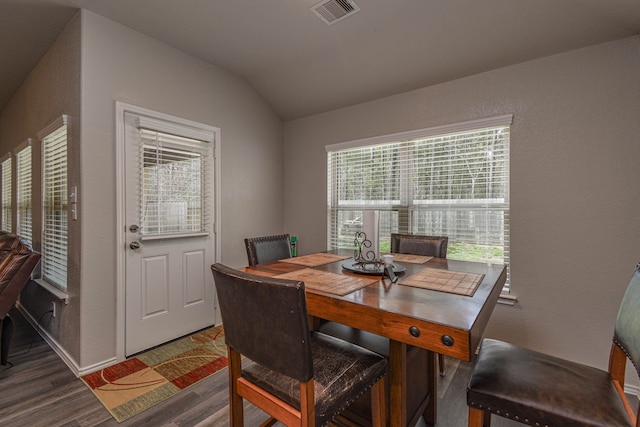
[[120, 109]]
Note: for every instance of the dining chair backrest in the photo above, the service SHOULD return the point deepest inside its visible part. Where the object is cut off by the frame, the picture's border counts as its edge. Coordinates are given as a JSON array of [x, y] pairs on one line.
[[541, 389], [415, 244], [297, 377], [265, 319], [261, 250]]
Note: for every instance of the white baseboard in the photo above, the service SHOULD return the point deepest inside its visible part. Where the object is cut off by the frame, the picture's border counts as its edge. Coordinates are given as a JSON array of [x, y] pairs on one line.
[[632, 389], [77, 370]]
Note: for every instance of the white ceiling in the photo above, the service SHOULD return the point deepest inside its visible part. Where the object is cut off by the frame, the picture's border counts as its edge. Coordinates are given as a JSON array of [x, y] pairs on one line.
[[302, 66]]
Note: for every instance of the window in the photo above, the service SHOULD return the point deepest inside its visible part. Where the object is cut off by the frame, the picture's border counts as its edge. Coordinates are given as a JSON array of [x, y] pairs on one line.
[[173, 182], [23, 192], [448, 181], [7, 223], [54, 201], [172, 190]]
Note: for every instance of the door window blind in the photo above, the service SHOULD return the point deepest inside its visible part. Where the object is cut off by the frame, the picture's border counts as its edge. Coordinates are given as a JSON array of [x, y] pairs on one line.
[[23, 194], [54, 201], [173, 184], [7, 223], [451, 181]]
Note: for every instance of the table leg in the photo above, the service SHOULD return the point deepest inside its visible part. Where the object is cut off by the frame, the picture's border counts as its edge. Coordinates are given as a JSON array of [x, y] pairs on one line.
[[397, 383], [430, 412]]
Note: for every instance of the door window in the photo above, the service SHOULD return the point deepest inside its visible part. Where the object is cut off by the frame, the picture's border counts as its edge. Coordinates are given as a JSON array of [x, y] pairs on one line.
[[174, 196]]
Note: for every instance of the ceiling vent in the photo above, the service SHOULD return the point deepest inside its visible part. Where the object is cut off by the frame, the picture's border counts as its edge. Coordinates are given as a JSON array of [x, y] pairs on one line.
[[332, 11]]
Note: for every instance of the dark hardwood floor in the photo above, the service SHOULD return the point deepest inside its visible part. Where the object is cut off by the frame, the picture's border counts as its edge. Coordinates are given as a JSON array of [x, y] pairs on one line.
[[40, 390]]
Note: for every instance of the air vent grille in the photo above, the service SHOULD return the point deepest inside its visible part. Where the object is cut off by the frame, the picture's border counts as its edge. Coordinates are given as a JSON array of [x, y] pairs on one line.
[[333, 11]]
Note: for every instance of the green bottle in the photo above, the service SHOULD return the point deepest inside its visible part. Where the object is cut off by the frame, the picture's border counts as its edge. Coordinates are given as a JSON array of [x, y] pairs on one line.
[[294, 242]]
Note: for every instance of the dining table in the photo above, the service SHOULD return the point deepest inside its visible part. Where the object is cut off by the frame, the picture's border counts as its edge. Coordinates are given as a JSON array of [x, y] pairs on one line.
[[437, 305]]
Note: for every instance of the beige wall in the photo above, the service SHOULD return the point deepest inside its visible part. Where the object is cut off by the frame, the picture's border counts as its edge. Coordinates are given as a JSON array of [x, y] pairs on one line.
[[119, 64], [575, 203], [93, 64], [51, 90]]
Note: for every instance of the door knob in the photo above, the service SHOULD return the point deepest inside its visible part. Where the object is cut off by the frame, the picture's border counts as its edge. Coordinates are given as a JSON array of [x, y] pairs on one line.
[[134, 245]]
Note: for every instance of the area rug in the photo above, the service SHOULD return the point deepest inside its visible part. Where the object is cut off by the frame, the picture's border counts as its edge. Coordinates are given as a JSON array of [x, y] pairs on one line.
[[138, 383]]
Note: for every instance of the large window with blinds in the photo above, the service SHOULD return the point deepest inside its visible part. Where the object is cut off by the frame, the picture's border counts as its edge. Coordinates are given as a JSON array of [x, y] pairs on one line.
[[24, 220], [7, 206], [447, 181], [54, 203]]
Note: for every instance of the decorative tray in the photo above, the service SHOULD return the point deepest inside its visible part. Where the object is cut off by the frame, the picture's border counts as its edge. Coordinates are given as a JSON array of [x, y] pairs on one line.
[[372, 268]]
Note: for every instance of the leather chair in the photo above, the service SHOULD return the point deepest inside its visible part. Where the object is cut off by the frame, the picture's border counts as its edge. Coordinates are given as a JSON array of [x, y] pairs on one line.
[[298, 377], [539, 389], [261, 250], [415, 244], [17, 262]]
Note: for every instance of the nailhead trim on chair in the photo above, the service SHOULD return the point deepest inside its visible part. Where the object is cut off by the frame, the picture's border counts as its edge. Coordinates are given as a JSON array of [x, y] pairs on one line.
[[350, 401], [507, 415]]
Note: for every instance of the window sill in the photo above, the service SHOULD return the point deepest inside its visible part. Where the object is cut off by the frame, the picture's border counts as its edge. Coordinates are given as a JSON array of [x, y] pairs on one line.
[[56, 292]]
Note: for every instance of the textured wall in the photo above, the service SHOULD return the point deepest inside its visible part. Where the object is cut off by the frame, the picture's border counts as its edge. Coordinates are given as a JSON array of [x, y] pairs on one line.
[[575, 228], [51, 90], [94, 63], [119, 64]]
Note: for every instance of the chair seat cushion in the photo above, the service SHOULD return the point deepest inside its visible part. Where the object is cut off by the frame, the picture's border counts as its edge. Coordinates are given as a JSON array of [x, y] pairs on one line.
[[539, 389], [341, 372]]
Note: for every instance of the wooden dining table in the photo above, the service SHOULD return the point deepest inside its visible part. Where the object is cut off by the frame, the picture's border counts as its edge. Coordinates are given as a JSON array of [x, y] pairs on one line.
[[439, 321]]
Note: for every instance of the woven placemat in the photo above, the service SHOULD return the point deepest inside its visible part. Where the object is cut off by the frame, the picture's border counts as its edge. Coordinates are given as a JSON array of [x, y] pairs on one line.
[[314, 260], [333, 283], [454, 282], [412, 259], [138, 383]]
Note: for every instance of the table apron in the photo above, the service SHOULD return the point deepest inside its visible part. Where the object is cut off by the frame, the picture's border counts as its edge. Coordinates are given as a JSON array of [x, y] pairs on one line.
[[393, 326]]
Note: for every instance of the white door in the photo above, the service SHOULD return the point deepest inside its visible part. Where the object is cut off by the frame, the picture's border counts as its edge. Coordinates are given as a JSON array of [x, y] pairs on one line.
[[170, 243]]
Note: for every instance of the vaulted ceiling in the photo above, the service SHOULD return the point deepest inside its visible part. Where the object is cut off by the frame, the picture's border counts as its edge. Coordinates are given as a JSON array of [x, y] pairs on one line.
[[301, 65]]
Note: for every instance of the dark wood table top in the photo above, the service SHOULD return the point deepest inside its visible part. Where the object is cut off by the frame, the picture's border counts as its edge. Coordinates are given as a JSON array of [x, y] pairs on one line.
[[442, 322]]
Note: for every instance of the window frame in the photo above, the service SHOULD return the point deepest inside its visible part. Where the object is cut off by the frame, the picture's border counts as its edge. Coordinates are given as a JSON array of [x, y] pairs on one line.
[[401, 202], [55, 204], [7, 192], [24, 190]]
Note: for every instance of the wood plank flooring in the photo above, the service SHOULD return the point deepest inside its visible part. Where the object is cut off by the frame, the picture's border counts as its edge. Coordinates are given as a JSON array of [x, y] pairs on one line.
[[40, 390]]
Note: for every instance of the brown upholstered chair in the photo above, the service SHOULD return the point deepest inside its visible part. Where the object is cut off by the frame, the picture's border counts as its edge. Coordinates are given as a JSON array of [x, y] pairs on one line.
[[296, 376], [261, 250], [415, 244], [539, 389], [17, 262]]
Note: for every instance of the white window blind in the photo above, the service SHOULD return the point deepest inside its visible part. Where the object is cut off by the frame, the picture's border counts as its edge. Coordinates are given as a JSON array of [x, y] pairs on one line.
[[173, 184], [23, 193], [449, 181], [54, 200], [7, 223]]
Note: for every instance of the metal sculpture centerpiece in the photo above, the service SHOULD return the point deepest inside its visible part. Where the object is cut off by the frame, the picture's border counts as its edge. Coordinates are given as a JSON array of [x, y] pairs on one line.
[[365, 258]]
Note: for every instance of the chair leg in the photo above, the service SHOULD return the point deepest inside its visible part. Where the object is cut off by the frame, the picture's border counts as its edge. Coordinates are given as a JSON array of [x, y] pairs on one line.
[[378, 404], [236, 416], [479, 418], [441, 364], [307, 404], [6, 333]]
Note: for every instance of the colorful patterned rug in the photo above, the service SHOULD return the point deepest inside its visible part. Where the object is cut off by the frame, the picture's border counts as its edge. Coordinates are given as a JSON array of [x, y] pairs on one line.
[[138, 383]]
